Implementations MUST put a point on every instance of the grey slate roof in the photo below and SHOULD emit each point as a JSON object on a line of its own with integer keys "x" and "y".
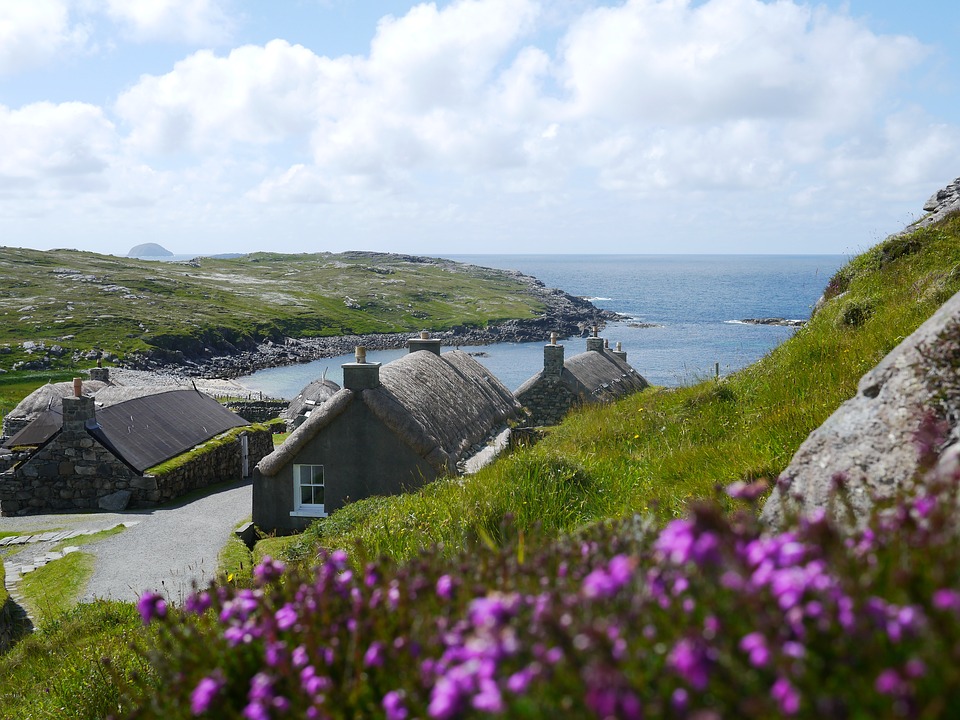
{"x": 43, "y": 427}
{"x": 145, "y": 430}
{"x": 148, "y": 430}
{"x": 440, "y": 405}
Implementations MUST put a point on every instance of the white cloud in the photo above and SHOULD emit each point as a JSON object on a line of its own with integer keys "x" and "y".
{"x": 58, "y": 149}
{"x": 255, "y": 95}
{"x": 459, "y": 111}
{"x": 186, "y": 21}
{"x": 33, "y": 32}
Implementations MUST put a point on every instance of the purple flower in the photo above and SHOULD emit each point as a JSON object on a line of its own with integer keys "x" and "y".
{"x": 520, "y": 681}
{"x": 755, "y": 645}
{"x": 204, "y": 693}
{"x": 946, "y": 599}
{"x": 286, "y": 617}
{"x": 786, "y": 696}
{"x": 444, "y": 699}
{"x": 489, "y": 698}
{"x": 197, "y": 603}
{"x": 268, "y": 569}
{"x": 151, "y": 605}
{"x": 605, "y": 582}
{"x": 444, "y": 587}
{"x": 393, "y": 705}
{"x": 747, "y": 491}
{"x": 373, "y": 657}
{"x": 689, "y": 660}
{"x": 888, "y": 682}
{"x": 300, "y": 657}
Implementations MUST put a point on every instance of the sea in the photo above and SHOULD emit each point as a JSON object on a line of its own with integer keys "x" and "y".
{"x": 683, "y": 314}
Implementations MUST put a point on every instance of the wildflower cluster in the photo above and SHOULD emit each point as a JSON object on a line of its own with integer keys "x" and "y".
{"x": 712, "y": 616}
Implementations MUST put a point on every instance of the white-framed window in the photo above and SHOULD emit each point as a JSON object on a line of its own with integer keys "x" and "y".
{"x": 308, "y": 491}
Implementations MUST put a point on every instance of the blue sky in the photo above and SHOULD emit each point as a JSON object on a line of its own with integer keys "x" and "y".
{"x": 470, "y": 126}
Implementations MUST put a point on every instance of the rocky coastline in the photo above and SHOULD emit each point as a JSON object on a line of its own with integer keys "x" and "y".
{"x": 565, "y": 314}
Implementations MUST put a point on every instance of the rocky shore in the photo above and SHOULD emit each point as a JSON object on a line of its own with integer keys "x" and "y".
{"x": 565, "y": 314}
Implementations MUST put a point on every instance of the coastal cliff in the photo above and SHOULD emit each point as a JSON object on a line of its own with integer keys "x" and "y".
{"x": 905, "y": 416}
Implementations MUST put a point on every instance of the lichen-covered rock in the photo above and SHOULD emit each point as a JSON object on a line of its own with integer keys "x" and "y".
{"x": 871, "y": 446}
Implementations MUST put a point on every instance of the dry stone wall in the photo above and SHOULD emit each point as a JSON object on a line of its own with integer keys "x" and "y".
{"x": 218, "y": 465}
{"x": 257, "y": 410}
{"x": 71, "y": 472}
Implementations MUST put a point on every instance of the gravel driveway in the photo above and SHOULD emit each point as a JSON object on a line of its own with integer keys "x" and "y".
{"x": 168, "y": 549}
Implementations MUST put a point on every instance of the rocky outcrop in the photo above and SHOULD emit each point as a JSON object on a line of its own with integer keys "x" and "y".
{"x": 941, "y": 203}
{"x": 906, "y": 410}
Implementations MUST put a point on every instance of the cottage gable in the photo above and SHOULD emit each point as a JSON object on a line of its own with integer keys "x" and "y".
{"x": 597, "y": 375}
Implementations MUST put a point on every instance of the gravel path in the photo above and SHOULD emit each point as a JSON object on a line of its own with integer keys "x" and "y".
{"x": 168, "y": 550}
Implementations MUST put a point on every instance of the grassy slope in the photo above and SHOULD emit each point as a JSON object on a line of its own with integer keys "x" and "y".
{"x": 657, "y": 450}
{"x": 82, "y": 301}
{"x": 653, "y": 450}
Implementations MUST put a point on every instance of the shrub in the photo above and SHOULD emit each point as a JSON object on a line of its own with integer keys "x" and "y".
{"x": 712, "y": 616}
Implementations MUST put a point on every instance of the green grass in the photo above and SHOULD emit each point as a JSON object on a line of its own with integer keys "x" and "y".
{"x": 53, "y": 589}
{"x": 60, "y": 672}
{"x": 212, "y": 444}
{"x": 133, "y": 306}
{"x": 660, "y": 449}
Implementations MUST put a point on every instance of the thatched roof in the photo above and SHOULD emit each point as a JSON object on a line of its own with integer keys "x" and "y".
{"x": 311, "y": 397}
{"x": 319, "y": 419}
{"x": 603, "y": 374}
{"x": 438, "y": 405}
{"x": 50, "y": 397}
{"x": 595, "y": 374}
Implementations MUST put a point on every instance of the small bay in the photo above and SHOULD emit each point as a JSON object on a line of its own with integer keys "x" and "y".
{"x": 683, "y": 314}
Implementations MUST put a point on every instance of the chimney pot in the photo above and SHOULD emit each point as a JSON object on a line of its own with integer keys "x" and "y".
{"x": 361, "y": 354}
{"x": 553, "y": 338}
{"x": 77, "y": 387}
{"x": 424, "y": 335}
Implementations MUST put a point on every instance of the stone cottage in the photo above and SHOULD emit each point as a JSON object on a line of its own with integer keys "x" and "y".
{"x": 597, "y": 375}
{"x": 390, "y": 429}
{"x": 81, "y": 456}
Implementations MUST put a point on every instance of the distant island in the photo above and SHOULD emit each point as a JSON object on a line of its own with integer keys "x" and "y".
{"x": 148, "y": 250}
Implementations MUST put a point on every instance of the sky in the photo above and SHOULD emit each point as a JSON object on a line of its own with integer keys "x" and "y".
{"x": 474, "y": 126}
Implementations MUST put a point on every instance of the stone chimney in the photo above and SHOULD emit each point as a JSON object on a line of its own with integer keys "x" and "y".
{"x": 424, "y": 342}
{"x": 595, "y": 343}
{"x": 361, "y": 375}
{"x": 77, "y": 410}
{"x": 620, "y": 352}
{"x": 552, "y": 358}
{"x": 100, "y": 373}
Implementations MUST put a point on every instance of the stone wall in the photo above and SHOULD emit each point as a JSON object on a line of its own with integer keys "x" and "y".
{"x": 254, "y": 411}
{"x": 74, "y": 472}
{"x": 221, "y": 464}
{"x": 548, "y": 401}
{"x": 71, "y": 472}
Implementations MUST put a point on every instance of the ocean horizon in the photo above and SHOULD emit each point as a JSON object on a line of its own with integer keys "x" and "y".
{"x": 682, "y": 314}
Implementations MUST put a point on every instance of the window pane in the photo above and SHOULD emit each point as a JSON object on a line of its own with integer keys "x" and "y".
{"x": 306, "y": 495}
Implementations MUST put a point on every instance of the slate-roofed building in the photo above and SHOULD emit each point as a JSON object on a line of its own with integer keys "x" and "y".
{"x": 87, "y": 455}
{"x": 597, "y": 375}
{"x": 391, "y": 428}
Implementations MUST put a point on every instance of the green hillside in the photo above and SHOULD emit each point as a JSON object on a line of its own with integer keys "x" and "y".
{"x": 658, "y": 450}
{"x": 64, "y": 303}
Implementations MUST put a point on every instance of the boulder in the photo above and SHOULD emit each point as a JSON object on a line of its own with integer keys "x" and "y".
{"x": 871, "y": 447}
{"x": 115, "y": 502}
